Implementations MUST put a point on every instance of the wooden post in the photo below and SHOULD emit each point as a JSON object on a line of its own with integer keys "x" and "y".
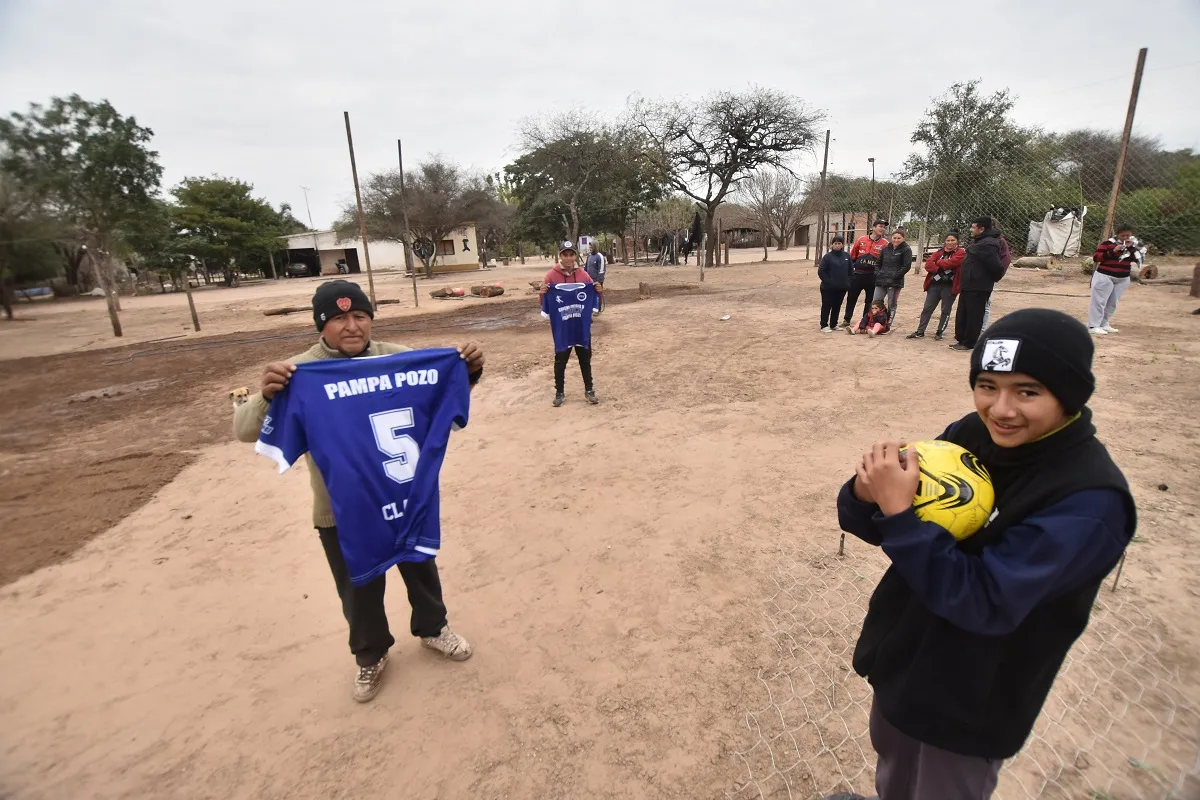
{"x": 408, "y": 262}
{"x": 187, "y": 287}
{"x": 721, "y": 259}
{"x": 824, "y": 205}
{"x": 108, "y": 290}
{"x": 1195, "y": 292}
{"x": 274, "y": 274}
{"x": 1109, "y": 219}
{"x": 362, "y": 223}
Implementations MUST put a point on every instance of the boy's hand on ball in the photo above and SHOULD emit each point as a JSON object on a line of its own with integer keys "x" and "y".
{"x": 890, "y": 477}
{"x": 862, "y": 487}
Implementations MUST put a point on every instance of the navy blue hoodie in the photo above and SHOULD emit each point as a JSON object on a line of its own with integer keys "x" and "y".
{"x": 834, "y": 270}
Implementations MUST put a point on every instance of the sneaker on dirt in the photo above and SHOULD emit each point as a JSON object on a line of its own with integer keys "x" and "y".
{"x": 559, "y": 399}
{"x": 915, "y": 335}
{"x": 369, "y": 679}
{"x": 591, "y": 397}
{"x": 449, "y": 644}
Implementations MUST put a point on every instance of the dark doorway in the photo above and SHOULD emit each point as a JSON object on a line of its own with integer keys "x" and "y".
{"x": 307, "y": 256}
{"x": 352, "y": 259}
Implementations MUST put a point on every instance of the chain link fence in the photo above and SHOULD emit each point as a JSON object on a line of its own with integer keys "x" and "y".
{"x": 1024, "y": 178}
{"x": 1117, "y": 725}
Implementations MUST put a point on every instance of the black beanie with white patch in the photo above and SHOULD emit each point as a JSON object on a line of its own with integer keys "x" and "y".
{"x": 339, "y": 297}
{"x": 1049, "y": 346}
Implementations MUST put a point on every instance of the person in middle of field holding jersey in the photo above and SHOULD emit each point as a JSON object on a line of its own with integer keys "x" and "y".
{"x": 940, "y": 270}
{"x": 865, "y": 257}
{"x": 569, "y": 271}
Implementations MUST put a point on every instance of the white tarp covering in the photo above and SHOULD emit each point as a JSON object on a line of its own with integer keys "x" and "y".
{"x": 1058, "y": 233}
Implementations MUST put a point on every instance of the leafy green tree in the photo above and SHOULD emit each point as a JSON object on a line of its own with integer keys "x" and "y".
{"x": 979, "y": 161}
{"x": 91, "y": 167}
{"x": 27, "y": 236}
{"x": 559, "y": 177}
{"x": 219, "y": 222}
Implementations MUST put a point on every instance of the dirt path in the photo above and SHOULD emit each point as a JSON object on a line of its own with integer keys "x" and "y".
{"x": 612, "y": 565}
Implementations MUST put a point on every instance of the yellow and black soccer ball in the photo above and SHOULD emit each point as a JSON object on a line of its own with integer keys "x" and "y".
{"x": 955, "y": 489}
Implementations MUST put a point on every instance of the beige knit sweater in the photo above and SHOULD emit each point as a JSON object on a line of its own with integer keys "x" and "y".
{"x": 248, "y": 420}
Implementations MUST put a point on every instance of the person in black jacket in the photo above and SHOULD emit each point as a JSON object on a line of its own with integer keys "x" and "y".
{"x": 834, "y": 272}
{"x": 962, "y": 640}
{"x": 895, "y": 261}
{"x": 980, "y": 271}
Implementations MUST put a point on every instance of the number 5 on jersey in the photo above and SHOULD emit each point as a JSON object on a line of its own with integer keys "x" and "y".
{"x": 402, "y": 450}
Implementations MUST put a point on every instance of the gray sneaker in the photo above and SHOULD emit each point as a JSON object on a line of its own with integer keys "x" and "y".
{"x": 369, "y": 679}
{"x": 591, "y": 397}
{"x": 449, "y": 644}
{"x": 559, "y": 399}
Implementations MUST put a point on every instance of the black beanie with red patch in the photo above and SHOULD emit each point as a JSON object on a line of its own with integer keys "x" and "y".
{"x": 336, "y": 298}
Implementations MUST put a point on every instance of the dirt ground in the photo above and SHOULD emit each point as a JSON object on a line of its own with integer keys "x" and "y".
{"x": 168, "y": 626}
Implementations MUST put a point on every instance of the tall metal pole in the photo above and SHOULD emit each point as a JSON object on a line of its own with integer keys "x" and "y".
{"x": 408, "y": 260}
{"x": 875, "y": 205}
{"x": 819, "y": 249}
{"x": 362, "y": 222}
{"x": 1120, "y": 174}
{"x": 313, "y": 228}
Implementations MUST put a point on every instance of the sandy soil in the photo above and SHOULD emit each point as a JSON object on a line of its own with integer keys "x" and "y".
{"x": 47, "y": 327}
{"x": 169, "y": 628}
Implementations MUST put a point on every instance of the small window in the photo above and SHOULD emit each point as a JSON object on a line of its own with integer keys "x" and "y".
{"x": 445, "y": 247}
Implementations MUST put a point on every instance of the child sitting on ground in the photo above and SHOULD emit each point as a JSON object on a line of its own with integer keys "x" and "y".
{"x": 875, "y": 322}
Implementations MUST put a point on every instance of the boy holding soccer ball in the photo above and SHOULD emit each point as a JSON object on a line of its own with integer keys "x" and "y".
{"x": 963, "y": 639}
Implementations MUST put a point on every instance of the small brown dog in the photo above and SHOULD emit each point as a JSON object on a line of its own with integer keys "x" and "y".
{"x": 239, "y": 396}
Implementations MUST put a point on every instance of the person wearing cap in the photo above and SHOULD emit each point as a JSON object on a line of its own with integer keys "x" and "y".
{"x": 962, "y": 640}
{"x": 834, "y": 272}
{"x": 569, "y": 271}
{"x": 343, "y": 317}
{"x": 865, "y": 257}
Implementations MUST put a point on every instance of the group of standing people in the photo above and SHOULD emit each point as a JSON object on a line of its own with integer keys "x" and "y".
{"x": 875, "y": 267}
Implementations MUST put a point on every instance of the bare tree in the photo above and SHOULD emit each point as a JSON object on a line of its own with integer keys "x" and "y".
{"x": 441, "y": 198}
{"x": 777, "y": 200}
{"x": 709, "y": 147}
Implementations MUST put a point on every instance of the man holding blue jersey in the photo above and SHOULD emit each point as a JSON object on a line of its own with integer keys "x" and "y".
{"x": 343, "y": 316}
{"x": 568, "y": 271}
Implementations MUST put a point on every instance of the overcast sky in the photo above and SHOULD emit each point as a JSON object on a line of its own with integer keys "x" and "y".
{"x": 255, "y": 90}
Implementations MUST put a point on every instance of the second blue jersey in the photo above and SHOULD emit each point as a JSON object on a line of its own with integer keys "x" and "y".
{"x": 377, "y": 429}
{"x": 569, "y": 307}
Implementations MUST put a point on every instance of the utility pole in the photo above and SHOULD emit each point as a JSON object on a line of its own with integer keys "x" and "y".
{"x": 362, "y": 222}
{"x": 1109, "y": 219}
{"x": 823, "y": 221}
{"x": 313, "y": 228}
{"x": 408, "y": 259}
{"x": 874, "y": 204}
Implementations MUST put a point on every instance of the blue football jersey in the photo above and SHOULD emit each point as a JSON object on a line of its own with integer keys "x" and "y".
{"x": 377, "y": 429}
{"x": 569, "y": 307}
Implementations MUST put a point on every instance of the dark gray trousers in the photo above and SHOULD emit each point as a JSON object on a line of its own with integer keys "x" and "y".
{"x": 910, "y": 770}
{"x": 940, "y": 292}
{"x": 362, "y": 606}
